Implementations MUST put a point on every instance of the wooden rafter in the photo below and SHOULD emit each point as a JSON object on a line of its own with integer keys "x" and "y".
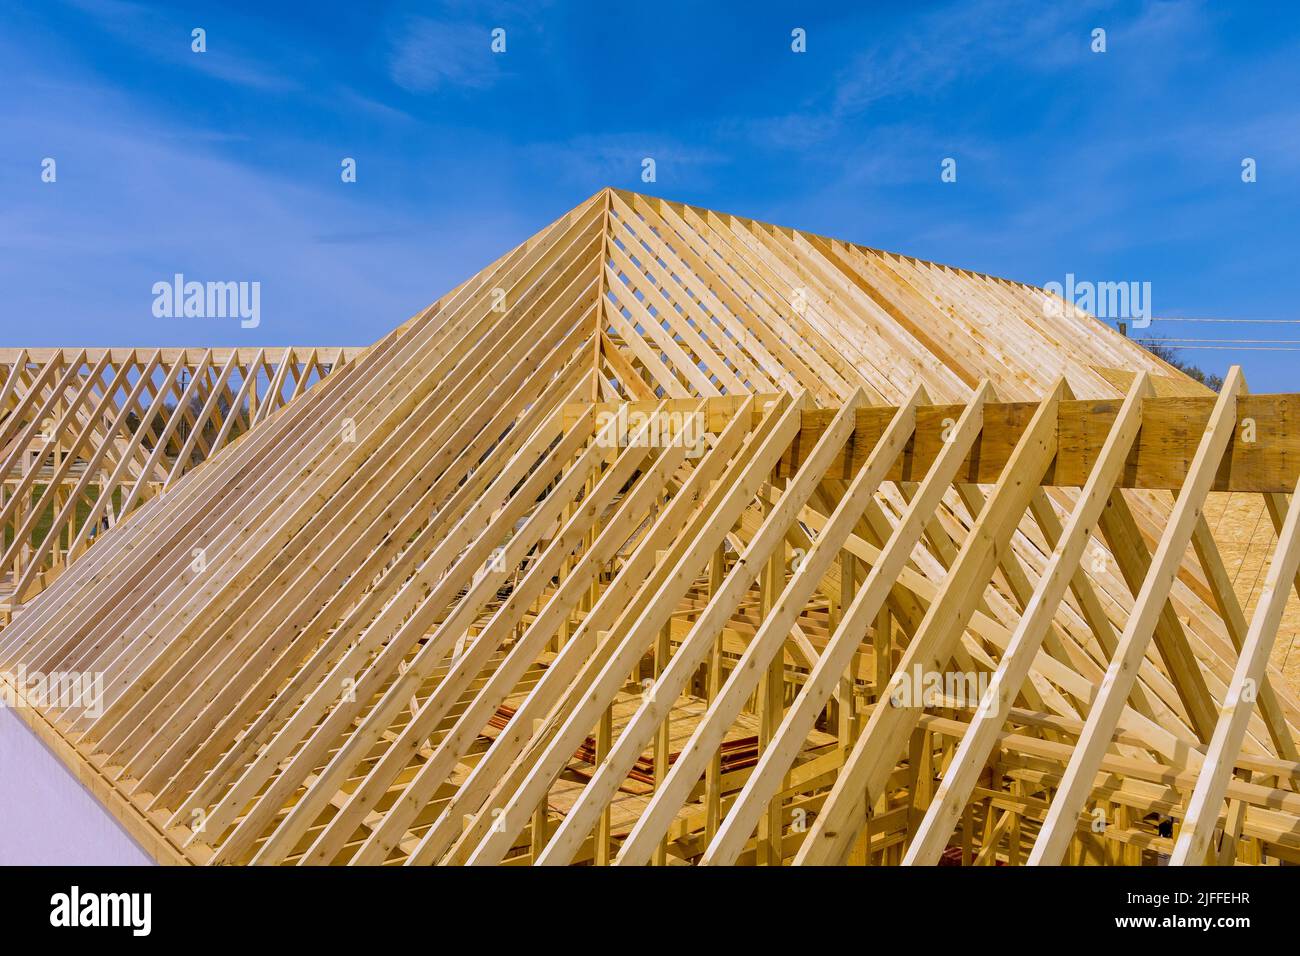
{"x": 634, "y": 547}
{"x": 91, "y": 434}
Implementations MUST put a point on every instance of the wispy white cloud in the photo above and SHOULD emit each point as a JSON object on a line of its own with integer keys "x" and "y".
{"x": 141, "y": 195}
{"x": 939, "y": 50}
{"x": 601, "y": 159}
{"x": 427, "y": 55}
{"x": 961, "y": 40}
{"x": 162, "y": 35}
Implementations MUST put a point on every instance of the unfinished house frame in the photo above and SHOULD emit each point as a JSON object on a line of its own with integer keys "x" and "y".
{"x": 674, "y": 537}
{"x": 87, "y": 435}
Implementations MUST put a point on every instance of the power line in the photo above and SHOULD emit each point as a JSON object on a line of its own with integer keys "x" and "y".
{"x": 1174, "y": 318}
{"x": 1174, "y": 341}
{"x": 1237, "y": 348}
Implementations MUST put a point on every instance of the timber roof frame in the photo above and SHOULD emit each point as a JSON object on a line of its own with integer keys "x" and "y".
{"x": 87, "y": 435}
{"x": 625, "y": 549}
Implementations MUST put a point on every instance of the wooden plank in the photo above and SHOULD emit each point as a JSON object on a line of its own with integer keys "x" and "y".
{"x": 1269, "y": 462}
{"x": 886, "y": 732}
{"x": 1203, "y": 809}
{"x": 1058, "y": 829}
{"x": 968, "y": 762}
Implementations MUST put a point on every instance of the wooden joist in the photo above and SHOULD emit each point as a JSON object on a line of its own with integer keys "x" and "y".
{"x": 1263, "y": 455}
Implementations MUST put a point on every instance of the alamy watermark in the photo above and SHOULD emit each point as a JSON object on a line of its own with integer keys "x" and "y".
{"x": 75, "y": 908}
{"x": 1129, "y": 301}
{"x": 651, "y": 430}
{"x": 922, "y": 688}
{"x": 208, "y": 300}
{"x": 59, "y": 689}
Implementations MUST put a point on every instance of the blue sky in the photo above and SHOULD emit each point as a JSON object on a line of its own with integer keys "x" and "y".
{"x": 224, "y": 165}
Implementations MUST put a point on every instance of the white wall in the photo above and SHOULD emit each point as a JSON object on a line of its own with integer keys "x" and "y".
{"x": 46, "y": 816}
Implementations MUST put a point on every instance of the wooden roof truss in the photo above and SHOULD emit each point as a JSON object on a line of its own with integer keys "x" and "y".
{"x": 626, "y": 551}
{"x": 88, "y": 435}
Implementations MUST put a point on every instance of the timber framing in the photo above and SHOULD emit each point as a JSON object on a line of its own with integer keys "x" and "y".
{"x": 88, "y": 435}
{"x": 1171, "y": 426}
{"x": 673, "y": 537}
